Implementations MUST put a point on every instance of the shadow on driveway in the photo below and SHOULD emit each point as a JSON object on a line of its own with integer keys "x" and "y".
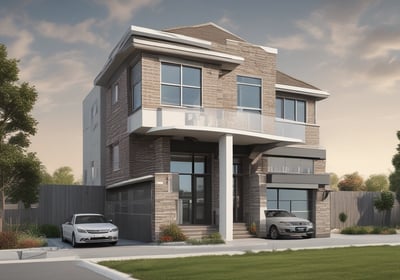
{"x": 56, "y": 242}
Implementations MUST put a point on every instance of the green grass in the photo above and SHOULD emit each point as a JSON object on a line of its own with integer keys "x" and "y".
{"x": 341, "y": 263}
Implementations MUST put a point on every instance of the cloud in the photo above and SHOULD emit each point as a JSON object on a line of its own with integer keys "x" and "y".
{"x": 293, "y": 42}
{"x": 78, "y": 33}
{"x": 123, "y": 10}
{"x": 22, "y": 39}
{"x": 59, "y": 79}
{"x": 228, "y": 23}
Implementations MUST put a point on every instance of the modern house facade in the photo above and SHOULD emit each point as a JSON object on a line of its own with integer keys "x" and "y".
{"x": 198, "y": 127}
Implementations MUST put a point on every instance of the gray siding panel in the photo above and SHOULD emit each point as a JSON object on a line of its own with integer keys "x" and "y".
{"x": 57, "y": 203}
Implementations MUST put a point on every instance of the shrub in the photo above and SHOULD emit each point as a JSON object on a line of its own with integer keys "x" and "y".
{"x": 171, "y": 233}
{"x": 214, "y": 238}
{"x": 342, "y": 217}
{"x": 354, "y": 230}
{"x": 368, "y": 230}
{"x": 50, "y": 231}
{"x": 29, "y": 240}
{"x": 8, "y": 240}
{"x": 252, "y": 228}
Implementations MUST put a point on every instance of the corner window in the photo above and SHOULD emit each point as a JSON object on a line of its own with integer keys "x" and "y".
{"x": 115, "y": 157}
{"x": 249, "y": 93}
{"x": 180, "y": 85}
{"x": 136, "y": 86}
{"x": 114, "y": 93}
{"x": 290, "y": 109}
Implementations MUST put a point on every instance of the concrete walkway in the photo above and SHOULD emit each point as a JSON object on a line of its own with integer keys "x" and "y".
{"x": 125, "y": 249}
{"x": 87, "y": 257}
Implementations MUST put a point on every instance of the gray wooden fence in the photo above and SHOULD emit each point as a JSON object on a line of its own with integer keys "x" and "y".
{"x": 360, "y": 210}
{"x": 57, "y": 203}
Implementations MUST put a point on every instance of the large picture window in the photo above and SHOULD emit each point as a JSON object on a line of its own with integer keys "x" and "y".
{"x": 293, "y": 200}
{"x": 249, "y": 93}
{"x": 290, "y": 109}
{"x": 180, "y": 85}
{"x": 136, "y": 86}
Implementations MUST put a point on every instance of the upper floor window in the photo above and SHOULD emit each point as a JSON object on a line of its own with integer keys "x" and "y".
{"x": 136, "y": 86}
{"x": 114, "y": 93}
{"x": 249, "y": 93}
{"x": 115, "y": 157}
{"x": 180, "y": 85}
{"x": 290, "y": 109}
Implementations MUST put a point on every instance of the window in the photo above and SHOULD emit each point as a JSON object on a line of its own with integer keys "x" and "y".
{"x": 136, "y": 85}
{"x": 293, "y": 200}
{"x": 92, "y": 170}
{"x": 115, "y": 93}
{"x": 290, "y": 109}
{"x": 115, "y": 157}
{"x": 180, "y": 85}
{"x": 249, "y": 93}
{"x": 290, "y": 165}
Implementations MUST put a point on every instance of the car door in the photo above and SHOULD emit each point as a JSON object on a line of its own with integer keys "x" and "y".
{"x": 68, "y": 228}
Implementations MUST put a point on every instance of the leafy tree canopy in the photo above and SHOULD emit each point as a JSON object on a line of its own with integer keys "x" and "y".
{"x": 394, "y": 178}
{"x": 333, "y": 181}
{"x": 377, "y": 183}
{"x": 61, "y": 176}
{"x": 19, "y": 170}
{"x": 352, "y": 182}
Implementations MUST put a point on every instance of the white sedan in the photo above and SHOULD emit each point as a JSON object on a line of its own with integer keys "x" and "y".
{"x": 283, "y": 223}
{"x": 89, "y": 228}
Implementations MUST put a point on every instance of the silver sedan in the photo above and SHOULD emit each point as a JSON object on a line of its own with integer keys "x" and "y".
{"x": 89, "y": 228}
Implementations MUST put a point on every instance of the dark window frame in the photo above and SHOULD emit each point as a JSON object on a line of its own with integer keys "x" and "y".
{"x": 181, "y": 85}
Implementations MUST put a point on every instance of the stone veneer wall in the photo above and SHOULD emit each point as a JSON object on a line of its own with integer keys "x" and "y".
{"x": 165, "y": 201}
{"x": 323, "y": 217}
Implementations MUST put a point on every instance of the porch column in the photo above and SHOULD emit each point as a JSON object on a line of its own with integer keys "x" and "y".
{"x": 226, "y": 187}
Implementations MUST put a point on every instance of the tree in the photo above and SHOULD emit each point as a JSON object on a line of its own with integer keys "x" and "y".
{"x": 351, "y": 182}
{"x": 63, "y": 176}
{"x": 19, "y": 170}
{"x": 377, "y": 183}
{"x": 394, "y": 178}
{"x": 385, "y": 204}
{"x": 333, "y": 181}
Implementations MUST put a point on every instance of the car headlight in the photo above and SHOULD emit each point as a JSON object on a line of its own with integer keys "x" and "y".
{"x": 113, "y": 229}
{"x": 81, "y": 230}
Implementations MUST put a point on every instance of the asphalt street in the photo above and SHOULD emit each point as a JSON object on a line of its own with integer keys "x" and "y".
{"x": 61, "y": 261}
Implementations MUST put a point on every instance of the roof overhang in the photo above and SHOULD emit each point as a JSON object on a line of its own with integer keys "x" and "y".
{"x": 146, "y": 39}
{"x": 319, "y": 94}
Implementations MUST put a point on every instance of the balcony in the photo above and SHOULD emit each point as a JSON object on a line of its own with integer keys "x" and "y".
{"x": 195, "y": 121}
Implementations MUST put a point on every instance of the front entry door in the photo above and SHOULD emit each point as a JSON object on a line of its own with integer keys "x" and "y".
{"x": 195, "y": 209}
{"x": 237, "y": 199}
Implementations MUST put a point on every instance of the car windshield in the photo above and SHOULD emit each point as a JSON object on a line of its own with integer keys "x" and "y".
{"x": 90, "y": 219}
{"x": 280, "y": 214}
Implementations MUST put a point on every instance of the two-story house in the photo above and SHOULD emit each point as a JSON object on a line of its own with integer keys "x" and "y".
{"x": 198, "y": 127}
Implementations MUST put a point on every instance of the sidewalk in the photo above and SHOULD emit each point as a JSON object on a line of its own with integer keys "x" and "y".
{"x": 135, "y": 250}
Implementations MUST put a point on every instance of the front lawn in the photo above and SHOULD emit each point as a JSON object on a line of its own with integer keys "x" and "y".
{"x": 340, "y": 263}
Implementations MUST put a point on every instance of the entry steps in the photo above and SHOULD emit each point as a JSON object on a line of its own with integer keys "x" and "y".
{"x": 199, "y": 231}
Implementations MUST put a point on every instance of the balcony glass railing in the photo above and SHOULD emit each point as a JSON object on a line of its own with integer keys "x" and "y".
{"x": 216, "y": 118}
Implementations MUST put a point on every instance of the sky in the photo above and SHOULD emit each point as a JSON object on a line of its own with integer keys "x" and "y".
{"x": 348, "y": 48}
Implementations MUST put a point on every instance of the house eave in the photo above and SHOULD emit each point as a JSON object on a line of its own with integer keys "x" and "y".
{"x": 319, "y": 94}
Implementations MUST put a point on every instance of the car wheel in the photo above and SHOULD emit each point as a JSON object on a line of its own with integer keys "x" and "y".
{"x": 273, "y": 232}
{"x": 73, "y": 242}
{"x": 62, "y": 236}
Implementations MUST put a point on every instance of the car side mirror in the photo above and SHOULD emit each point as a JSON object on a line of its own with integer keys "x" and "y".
{"x": 110, "y": 221}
